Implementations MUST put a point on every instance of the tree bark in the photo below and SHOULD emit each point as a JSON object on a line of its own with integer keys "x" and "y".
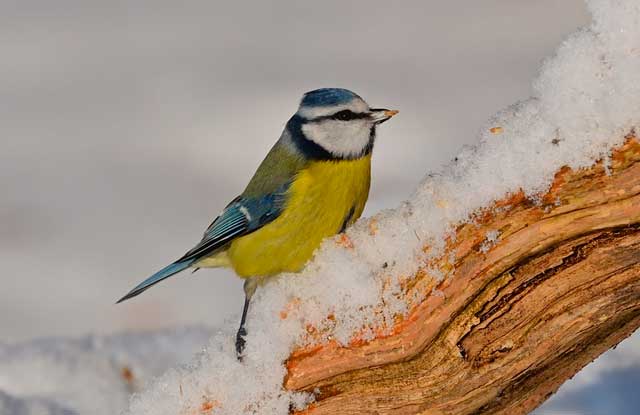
{"x": 514, "y": 319}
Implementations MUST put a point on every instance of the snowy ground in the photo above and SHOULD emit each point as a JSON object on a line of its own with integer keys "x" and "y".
{"x": 90, "y": 375}
{"x": 104, "y": 171}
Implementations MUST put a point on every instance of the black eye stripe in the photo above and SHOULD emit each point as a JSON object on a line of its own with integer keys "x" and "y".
{"x": 344, "y": 115}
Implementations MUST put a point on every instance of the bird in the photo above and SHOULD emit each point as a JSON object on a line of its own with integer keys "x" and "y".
{"x": 313, "y": 184}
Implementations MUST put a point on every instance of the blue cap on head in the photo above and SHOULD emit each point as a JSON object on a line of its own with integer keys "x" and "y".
{"x": 325, "y": 97}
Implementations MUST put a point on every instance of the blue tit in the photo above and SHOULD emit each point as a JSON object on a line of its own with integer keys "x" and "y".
{"x": 313, "y": 183}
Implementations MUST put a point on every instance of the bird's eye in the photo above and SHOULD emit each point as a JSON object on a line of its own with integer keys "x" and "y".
{"x": 344, "y": 115}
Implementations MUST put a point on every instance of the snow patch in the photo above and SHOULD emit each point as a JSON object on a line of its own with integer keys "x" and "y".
{"x": 91, "y": 375}
{"x": 491, "y": 238}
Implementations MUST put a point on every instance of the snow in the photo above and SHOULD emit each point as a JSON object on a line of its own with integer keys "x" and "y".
{"x": 90, "y": 375}
{"x": 491, "y": 238}
{"x": 585, "y": 100}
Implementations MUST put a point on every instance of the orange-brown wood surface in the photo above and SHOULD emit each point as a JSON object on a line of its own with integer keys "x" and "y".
{"x": 512, "y": 321}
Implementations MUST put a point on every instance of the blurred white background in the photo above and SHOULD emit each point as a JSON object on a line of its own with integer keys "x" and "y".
{"x": 126, "y": 127}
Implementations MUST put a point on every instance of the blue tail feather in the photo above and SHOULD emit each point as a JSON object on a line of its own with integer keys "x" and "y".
{"x": 164, "y": 273}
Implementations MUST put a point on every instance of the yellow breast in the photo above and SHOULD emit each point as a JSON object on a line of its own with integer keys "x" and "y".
{"x": 319, "y": 200}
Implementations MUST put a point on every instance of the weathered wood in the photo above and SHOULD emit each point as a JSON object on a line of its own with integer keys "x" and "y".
{"x": 513, "y": 321}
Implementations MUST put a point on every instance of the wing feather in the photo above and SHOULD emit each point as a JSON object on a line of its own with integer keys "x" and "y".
{"x": 242, "y": 216}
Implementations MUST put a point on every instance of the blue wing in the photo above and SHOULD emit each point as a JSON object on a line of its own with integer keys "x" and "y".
{"x": 242, "y": 216}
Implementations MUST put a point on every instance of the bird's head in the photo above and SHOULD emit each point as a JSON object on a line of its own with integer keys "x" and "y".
{"x": 336, "y": 123}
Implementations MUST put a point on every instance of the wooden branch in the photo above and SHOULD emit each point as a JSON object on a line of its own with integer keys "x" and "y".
{"x": 514, "y": 320}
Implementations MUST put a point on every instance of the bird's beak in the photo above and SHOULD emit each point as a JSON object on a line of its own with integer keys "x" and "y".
{"x": 380, "y": 115}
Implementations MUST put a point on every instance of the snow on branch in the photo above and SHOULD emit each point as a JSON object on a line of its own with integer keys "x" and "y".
{"x": 365, "y": 287}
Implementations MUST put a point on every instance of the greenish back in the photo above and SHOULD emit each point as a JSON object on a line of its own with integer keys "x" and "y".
{"x": 279, "y": 167}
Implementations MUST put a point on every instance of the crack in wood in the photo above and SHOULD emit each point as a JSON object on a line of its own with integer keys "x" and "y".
{"x": 579, "y": 253}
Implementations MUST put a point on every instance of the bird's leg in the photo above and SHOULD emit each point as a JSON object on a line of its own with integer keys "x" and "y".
{"x": 250, "y": 285}
{"x": 242, "y": 331}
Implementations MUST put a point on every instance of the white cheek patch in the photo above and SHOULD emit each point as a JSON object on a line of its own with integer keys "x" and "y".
{"x": 340, "y": 138}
